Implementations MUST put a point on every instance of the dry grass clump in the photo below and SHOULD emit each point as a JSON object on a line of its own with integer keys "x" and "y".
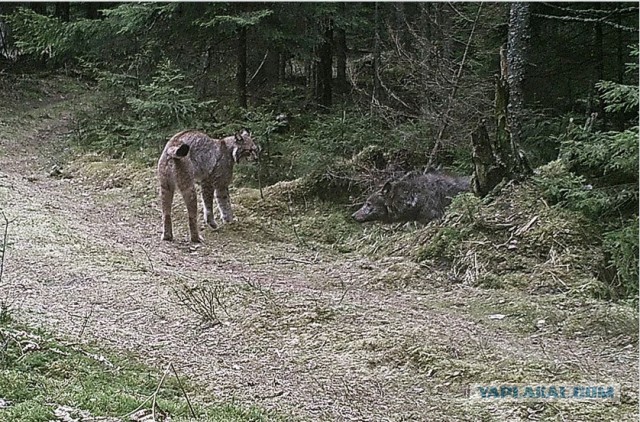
{"x": 344, "y": 178}
{"x": 290, "y": 211}
{"x": 109, "y": 173}
{"x": 514, "y": 239}
{"x": 206, "y": 300}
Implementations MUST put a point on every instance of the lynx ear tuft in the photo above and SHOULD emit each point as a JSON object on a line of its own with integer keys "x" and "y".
{"x": 182, "y": 151}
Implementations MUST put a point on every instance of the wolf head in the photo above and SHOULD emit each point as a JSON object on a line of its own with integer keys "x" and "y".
{"x": 244, "y": 147}
{"x": 374, "y": 208}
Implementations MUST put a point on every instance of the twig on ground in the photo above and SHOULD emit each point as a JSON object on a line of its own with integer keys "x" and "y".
{"x": 345, "y": 290}
{"x": 286, "y": 258}
{"x": 152, "y": 397}
{"x": 85, "y": 322}
{"x": 4, "y": 243}
{"x": 293, "y": 226}
{"x": 148, "y": 258}
{"x": 255, "y": 285}
{"x": 193, "y": 413}
{"x": 155, "y": 394}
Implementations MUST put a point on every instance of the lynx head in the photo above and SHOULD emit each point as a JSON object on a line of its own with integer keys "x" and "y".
{"x": 244, "y": 147}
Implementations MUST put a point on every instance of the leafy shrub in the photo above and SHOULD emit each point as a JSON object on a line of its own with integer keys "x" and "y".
{"x": 541, "y": 142}
{"x": 597, "y": 174}
{"x": 141, "y": 117}
{"x": 38, "y": 36}
{"x": 620, "y": 97}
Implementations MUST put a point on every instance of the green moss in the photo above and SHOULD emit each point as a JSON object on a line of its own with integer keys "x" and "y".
{"x": 37, "y": 374}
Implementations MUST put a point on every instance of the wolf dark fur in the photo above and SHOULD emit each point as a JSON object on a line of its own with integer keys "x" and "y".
{"x": 420, "y": 198}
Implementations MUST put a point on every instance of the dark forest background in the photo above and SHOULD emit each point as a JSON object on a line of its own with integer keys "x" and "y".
{"x": 317, "y": 83}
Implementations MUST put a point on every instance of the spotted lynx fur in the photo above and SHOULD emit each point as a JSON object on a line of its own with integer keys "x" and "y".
{"x": 192, "y": 157}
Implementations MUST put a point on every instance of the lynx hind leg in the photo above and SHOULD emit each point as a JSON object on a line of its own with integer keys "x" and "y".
{"x": 191, "y": 200}
{"x": 207, "y": 204}
{"x": 224, "y": 204}
{"x": 166, "y": 199}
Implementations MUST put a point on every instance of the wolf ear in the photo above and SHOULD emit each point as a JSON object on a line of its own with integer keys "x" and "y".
{"x": 386, "y": 188}
{"x": 239, "y": 138}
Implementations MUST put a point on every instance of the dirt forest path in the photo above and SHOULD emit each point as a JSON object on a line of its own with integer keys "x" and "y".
{"x": 304, "y": 333}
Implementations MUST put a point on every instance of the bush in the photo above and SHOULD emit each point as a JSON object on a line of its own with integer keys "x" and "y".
{"x": 621, "y": 247}
{"x": 142, "y": 117}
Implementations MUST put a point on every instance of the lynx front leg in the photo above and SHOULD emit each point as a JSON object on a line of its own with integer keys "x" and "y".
{"x": 190, "y": 199}
{"x": 207, "y": 204}
{"x": 224, "y": 204}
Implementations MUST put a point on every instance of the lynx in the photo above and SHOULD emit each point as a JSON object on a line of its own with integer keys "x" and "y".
{"x": 193, "y": 157}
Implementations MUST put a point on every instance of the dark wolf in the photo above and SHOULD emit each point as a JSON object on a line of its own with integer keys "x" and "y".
{"x": 421, "y": 198}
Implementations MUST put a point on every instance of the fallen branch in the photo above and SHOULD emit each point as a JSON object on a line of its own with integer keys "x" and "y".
{"x": 135, "y": 413}
{"x": 193, "y": 413}
{"x": 299, "y": 261}
{"x": 4, "y": 244}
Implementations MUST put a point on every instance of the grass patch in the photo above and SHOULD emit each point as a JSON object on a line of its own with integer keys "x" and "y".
{"x": 558, "y": 313}
{"x": 40, "y": 376}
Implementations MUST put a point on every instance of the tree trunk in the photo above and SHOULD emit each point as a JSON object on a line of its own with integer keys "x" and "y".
{"x": 91, "y": 10}
{"x": 282, "y": 66}
{"x": 501, "y": 103}
{"x": 206, "y": 66}
{"x": 424, "y": 21}
{"x": 62, "y": 11}
{"x": 38, "y": 7}
{"x": 517, "y": 43}
{"x": 325, "y": 65}
{"x": 376, "y": 57}
{"x": 341, "y": 55}
{"x": 491, "y": 158}
{"x": 241, "y": 69}
{"x": 401, "y": 24}
{"x": 500, "y": 159}
{"x": 488, "y": 169}
{"x": 598, "y": 52}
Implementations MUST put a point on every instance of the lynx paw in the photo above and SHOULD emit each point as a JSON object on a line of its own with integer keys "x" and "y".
{"x": 167, "y": 236}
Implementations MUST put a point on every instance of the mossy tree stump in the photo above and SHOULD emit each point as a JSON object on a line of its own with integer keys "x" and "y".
{"x": 500, "y": 158}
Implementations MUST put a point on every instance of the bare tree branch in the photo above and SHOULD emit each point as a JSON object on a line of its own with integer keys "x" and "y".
{"x": 456, "y": 85}
{"x": 593, "y": 11}
{"x": 259, "y": 67}
{"x": 586, "y": 20}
